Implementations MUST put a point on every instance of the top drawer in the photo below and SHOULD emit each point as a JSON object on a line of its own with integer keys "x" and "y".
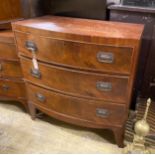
{"x": 78, "y": 55}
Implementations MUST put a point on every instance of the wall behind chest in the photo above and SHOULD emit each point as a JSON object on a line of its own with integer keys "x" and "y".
{"x": 114, "y": 1}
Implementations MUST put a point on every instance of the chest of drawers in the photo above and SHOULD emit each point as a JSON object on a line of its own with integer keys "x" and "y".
{"x": 79, "y": 71}
{"x": 12, "y": 86}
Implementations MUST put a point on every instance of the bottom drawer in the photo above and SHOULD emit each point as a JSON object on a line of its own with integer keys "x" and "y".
{"x": 90, "y": 110}
{"x": 12, "y": 88}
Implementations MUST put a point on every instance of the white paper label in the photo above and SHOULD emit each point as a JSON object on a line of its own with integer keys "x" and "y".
{"x": 35, "y": 64}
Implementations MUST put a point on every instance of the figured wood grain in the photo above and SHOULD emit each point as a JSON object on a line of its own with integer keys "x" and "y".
{"x": 77, "y": 55}
{"x": 10, "y": 10}
{"x": 76, "y": 107}
{"x": 8, "y": 51}
{"x": 66, "y": 54}
{"x": 7, "y": 36}
{"x": 12, "y": 89}
{"x": 84, "y": 30}
{"x": 11, "y": 69}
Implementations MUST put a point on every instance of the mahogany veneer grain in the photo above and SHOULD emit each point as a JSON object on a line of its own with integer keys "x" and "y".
{"x": 12, "y": 86}
{"x": 75, "y": 83}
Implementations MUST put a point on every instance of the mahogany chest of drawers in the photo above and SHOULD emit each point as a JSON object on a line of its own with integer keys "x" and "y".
{"x": 79, "y": 71}
{"x": 12, "y": 86}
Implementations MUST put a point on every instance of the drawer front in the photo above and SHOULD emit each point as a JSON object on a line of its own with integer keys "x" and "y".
{"x": 78, "y": 55}
{"x": 11, "y": 69}
{"x": 8, "y": 51}
{"x": 15, "y": 89}
{"x": 82, "y": 84}
{"x": 95, "y": 111}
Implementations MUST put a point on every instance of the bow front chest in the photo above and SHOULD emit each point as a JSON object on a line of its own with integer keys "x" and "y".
{"x": 79, "y": 71}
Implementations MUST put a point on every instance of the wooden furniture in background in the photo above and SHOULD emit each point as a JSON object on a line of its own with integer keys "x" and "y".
{"x": 79, "y": 71}
{"x": 12, "y": 86}
{"x": 10, "y": 10}
{"x": 145, "y": 83}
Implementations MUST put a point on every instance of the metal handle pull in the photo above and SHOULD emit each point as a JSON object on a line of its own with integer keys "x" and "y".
{"x": 31, "y": 46}
{"x": 102, "y": 112}
{"x": 5, "y": 87}
{"x": 104, "y": 86}
{"x": 105, "y": 57}
{"x": 40, "y": 97}
{"x": 36, "y": 73}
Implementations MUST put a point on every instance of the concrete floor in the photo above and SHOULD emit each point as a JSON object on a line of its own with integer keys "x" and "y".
{"x": 20, "y": 134}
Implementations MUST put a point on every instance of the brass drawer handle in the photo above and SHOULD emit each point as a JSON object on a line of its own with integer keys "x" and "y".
{"x": 31, "y": 46}
{"x": 105, "y": 57}
{"x": 5, "y": 87}
{"x": 40, "y": 97}
{"x": 104, "y": 86}
{"x": 102, "y": 112}
{"x": 35, "y": 73}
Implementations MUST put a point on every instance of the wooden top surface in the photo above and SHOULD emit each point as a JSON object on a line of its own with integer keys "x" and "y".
{"x": 81, "y": 27}
{"x": 7, "y": 36}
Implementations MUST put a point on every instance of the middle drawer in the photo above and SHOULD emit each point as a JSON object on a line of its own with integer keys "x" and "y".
{"x": 77, "y": 83}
